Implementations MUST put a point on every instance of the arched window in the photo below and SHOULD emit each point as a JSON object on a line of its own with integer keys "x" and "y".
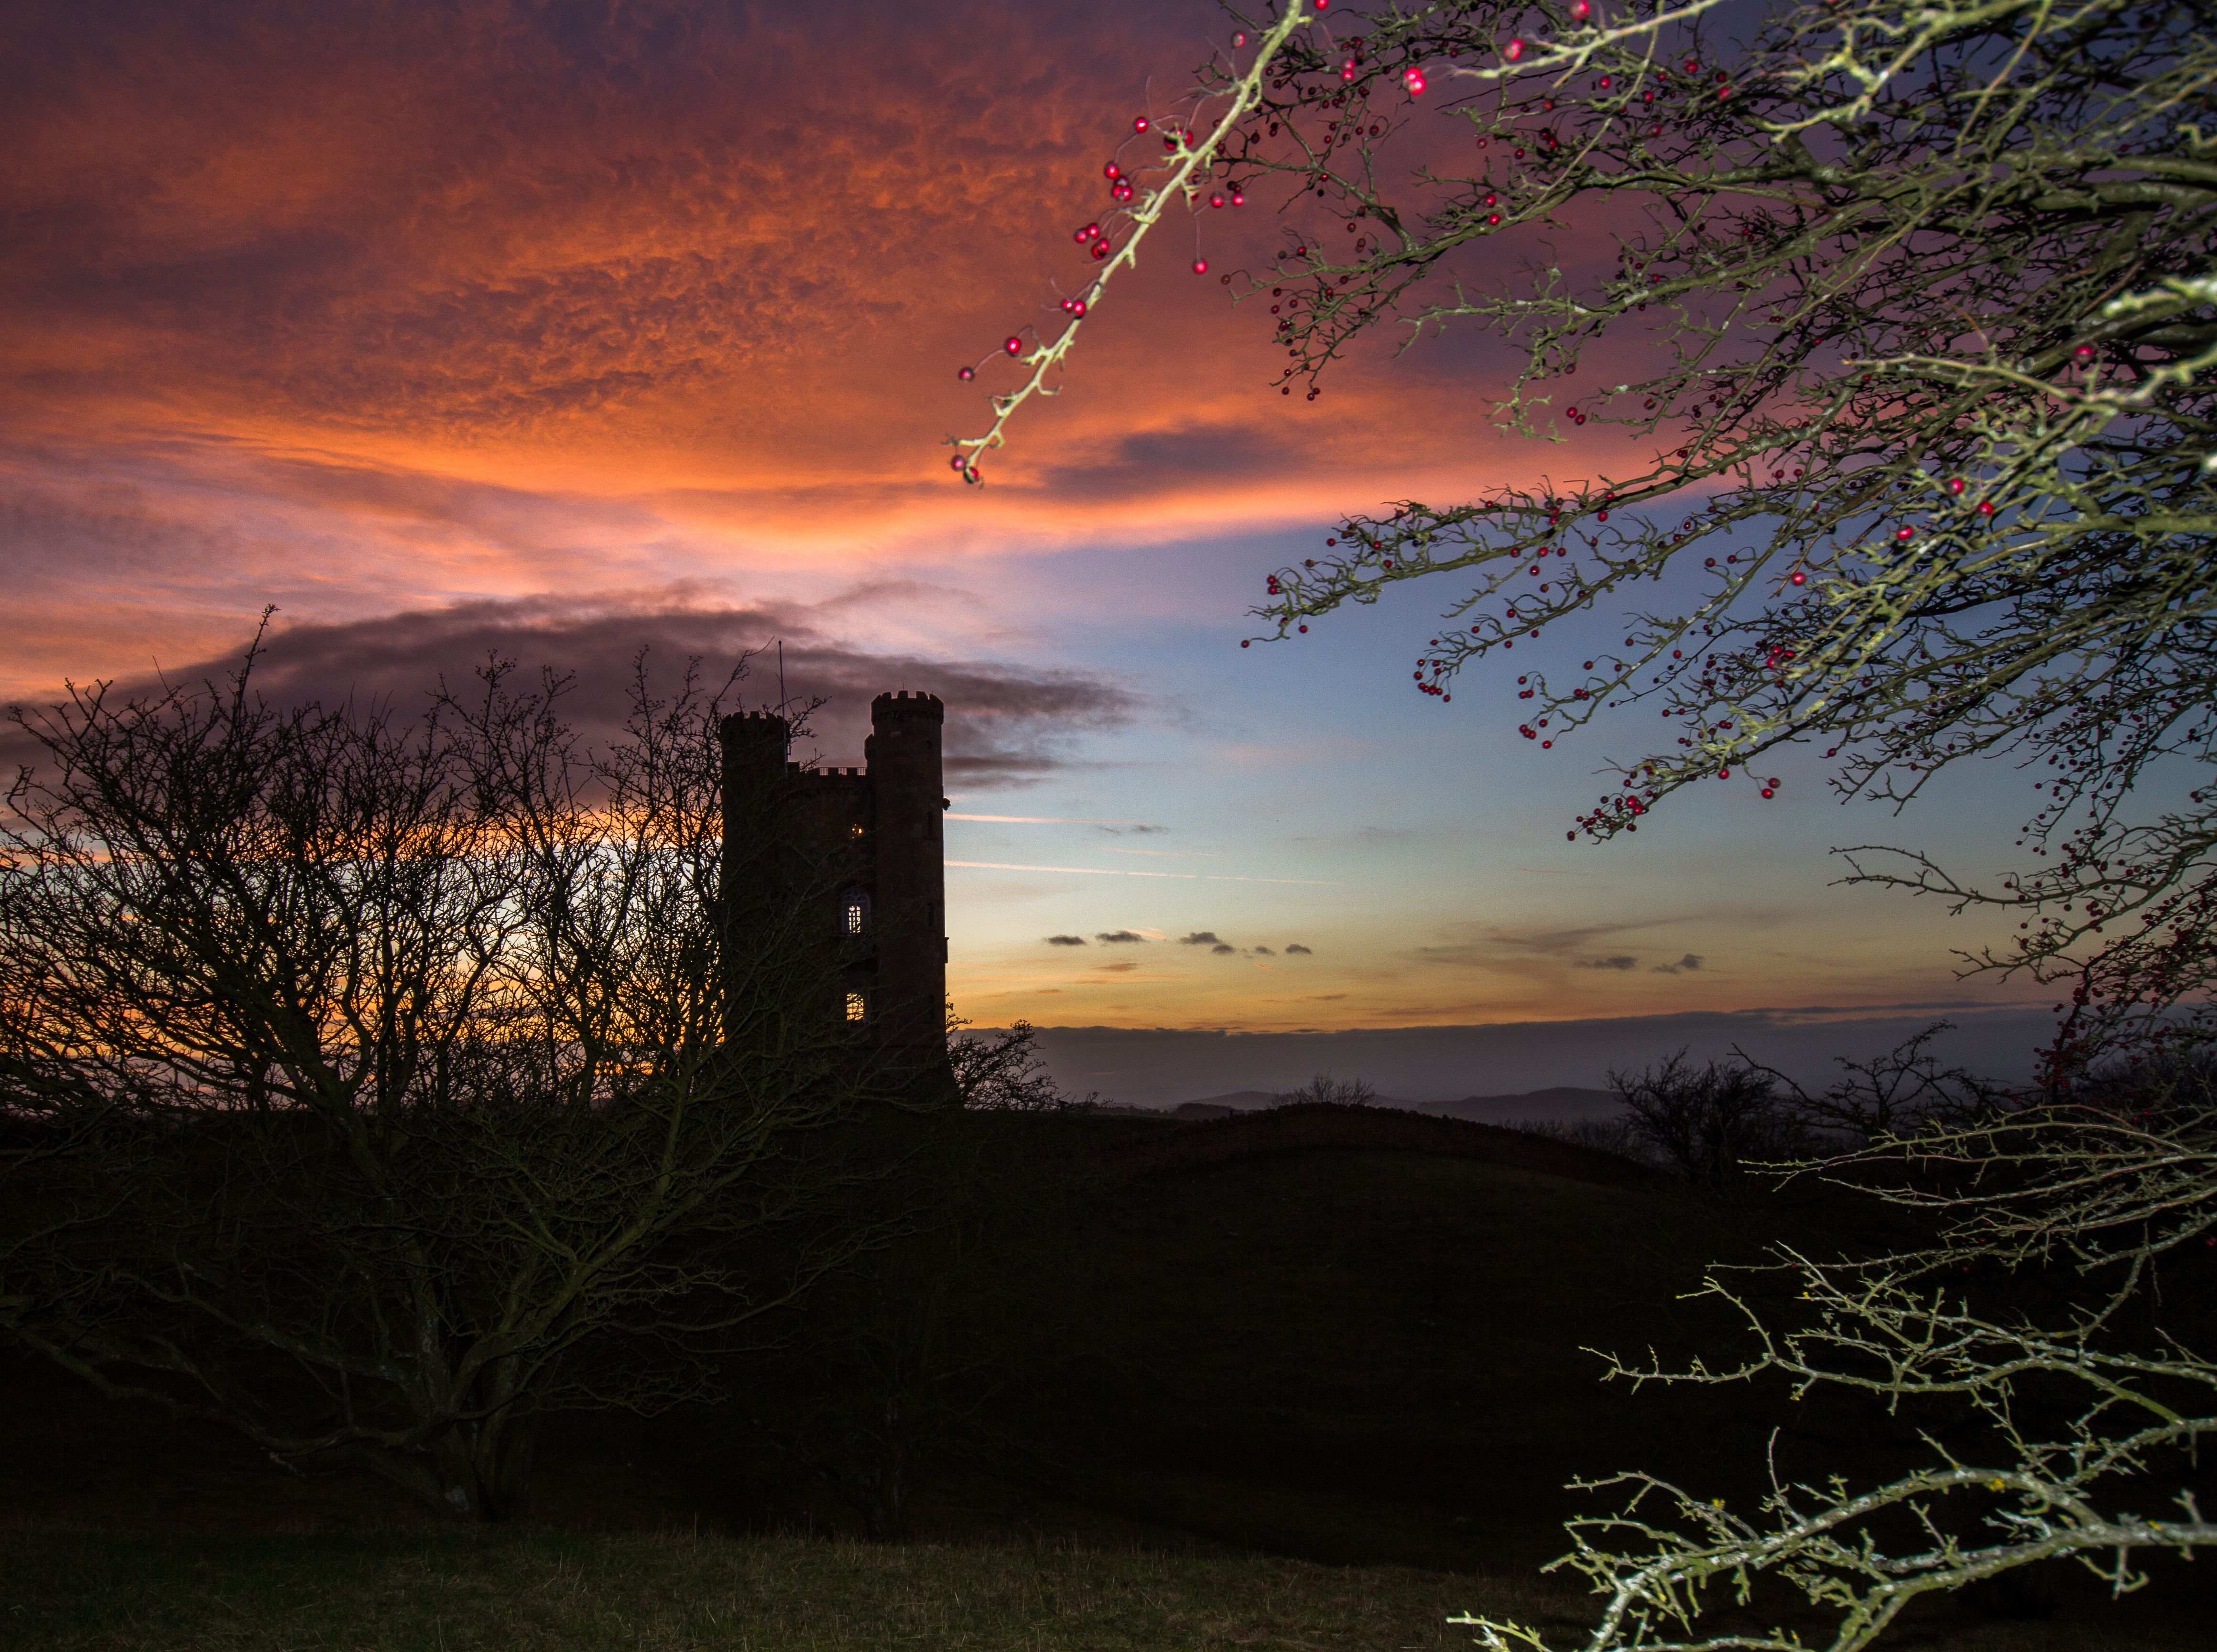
{"x": 854, "y": 910}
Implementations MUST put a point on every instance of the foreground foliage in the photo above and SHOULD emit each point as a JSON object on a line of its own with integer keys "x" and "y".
{"x": 1917, "y": 311}
{"x": 1921, "y": 444}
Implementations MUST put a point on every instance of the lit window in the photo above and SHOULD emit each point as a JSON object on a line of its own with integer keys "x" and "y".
{"x": 857, "y": 907}
{"x": 858, "y": 1007}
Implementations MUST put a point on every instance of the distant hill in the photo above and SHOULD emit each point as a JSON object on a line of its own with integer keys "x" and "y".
{"x": 1565, "y": 1102}
{"x": 1221, "y": 1107}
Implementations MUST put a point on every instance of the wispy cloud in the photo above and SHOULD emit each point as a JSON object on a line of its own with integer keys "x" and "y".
{"x": 1045, "y": 820}
{"x": 1131, "y": 872}
{"x": 1620, "y": 961}
{"x": 1691, "y": 961}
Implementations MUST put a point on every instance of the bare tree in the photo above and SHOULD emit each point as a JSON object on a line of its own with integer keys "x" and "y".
{"x": 1891, "y": 1096}
{"x": 1004, "y": 1072}
{"x": 1708, "y": 1123}
{"x": 1930, "y": 299}
{"x": 407, "y": 1076}
{"x": 2110, "y": 1184}
{"x": 1930, "y": 309}
{"x": 1325, "y": 1091}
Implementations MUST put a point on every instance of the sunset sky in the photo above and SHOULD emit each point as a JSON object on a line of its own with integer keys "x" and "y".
{"x": 559, "y": 329}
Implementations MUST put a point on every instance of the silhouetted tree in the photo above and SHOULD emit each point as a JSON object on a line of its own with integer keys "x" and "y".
{"x": 1324, "y": 1090}
{"x": 392, "y": 1061}
{"x": 1004, "y": 1072}
{"x": 1891, "y": 1096}
{"x": 1706, "y": 1123}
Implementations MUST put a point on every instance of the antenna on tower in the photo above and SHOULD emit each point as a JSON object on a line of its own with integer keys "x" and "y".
{"x": 782, "y": 702}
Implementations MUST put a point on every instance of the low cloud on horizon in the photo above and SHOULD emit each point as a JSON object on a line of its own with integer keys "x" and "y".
{"x": 1005, "y": 724}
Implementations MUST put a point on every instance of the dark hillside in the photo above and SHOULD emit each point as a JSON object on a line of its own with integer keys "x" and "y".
{"x": 1342, "y": 1335}
{"x": 1320, "y": 1128}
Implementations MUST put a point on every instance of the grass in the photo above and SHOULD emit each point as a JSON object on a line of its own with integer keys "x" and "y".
{"x": 523, "y": 1589}
{"x": 535, "y": 1588}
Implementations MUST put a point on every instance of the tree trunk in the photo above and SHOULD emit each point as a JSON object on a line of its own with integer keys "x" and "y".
{"x": 484, "y": 1466}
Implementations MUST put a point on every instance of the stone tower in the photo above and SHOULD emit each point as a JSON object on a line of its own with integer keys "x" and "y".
{"x": 854, "y": 862}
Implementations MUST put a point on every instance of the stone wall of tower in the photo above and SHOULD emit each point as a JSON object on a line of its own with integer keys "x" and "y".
{"x": 850, "y": 864}
{"x": 909, "y": 861}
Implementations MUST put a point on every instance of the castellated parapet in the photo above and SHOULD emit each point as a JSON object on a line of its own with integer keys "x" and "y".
{"x": 855, "y": 859}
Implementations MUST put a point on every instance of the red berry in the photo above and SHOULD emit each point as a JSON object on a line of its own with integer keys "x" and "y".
{"x": 1581, "y": 11}
{"x": 1800, "y": 578}
{"x": 1112, "y": 171}
{"x": 1905, "y": 534}
{"x": 1012, "y": 344}
{"x": 1100, "y": 249}
{"x": 1243, "y": 642}
{"x": 1139, "y": 123}
{"x": 955, "y": 462}
{"x": 1201, "y": 266}
{"x": 1216, "y": 201}
{"x": 1238, "y": 200}
{"x": 1414, "y": 80}
{"x": 1955, "y": 484}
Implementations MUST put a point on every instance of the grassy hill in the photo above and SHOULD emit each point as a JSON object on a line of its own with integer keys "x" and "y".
{"x": 1333, "y": 1336}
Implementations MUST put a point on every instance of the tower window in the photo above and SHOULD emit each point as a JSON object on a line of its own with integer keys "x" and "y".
{"x": 858, "y": 1008}
{"x": 855, "y": 911}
